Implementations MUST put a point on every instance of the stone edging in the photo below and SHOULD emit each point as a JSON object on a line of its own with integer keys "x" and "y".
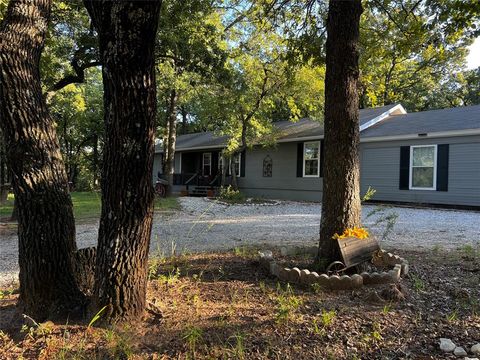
{"x": 335, "y": 282}
{"x": 385, "y": 259}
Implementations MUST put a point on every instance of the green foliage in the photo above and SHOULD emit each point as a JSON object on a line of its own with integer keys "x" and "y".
{"x": 418, "y": 283}
{"x": 78, "y": 111}
{"x": 411, "y": 48}
{"x": 320, "y": 325}
{"x": 230, "y": 195}
{"x": 96, "y": 317}
{"x": 369, "y": 194}
{"x": 287, "y": 304}
{"x": 193, "y": 336}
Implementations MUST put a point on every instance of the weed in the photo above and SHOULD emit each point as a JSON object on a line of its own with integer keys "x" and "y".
{"x": 418, "y": 283}
{"x": 193, "y": 335}
{"x": 118, "y": 344}
{"x": 387, "y": 308}
{"x": 469, "y": 251}
{"x": 453, "y": 316}
{"x": 369, "y": 194}
{"x": 287, "y": 304}
{"x": 171, "y": 277}
{"x": 437, "y": 248}
{"x": 244, "y": 251}
{"x": 321, "y": 324}
{"x": 328, "y": 317}
{"x": 239, "y": 347}
{"x": 375, "y": 335}
{"x": 96, "y": 317}
{"x": 317, "y": 288}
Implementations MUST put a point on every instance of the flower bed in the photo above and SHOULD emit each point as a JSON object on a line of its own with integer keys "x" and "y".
{"x": 395, "y": 266}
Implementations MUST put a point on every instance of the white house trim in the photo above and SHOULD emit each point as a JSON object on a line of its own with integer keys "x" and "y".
{"x": 396, "y": 110}
{"x": 318, "y": 159}
{"x": 435, "y": 156}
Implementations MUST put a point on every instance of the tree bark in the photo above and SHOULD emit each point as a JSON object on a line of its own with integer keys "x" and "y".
{"x": 184, "y": 120}
{"x": 3, "y": 172}
{"x": 46, "y": 227}
{"x": 95, "y": 162}
{"x": 341, "y": 206}
{"x": 127, "y": 31}
{"x": 171, "y": 139}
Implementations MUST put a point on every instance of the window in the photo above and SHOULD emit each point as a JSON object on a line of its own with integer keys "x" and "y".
{"x": 267, "y": 166}
{"x": 423, "y": 167}
{"x": 236, "y": 162}
{"x": 311, "y": 159}
{"x": 207, "y": 164}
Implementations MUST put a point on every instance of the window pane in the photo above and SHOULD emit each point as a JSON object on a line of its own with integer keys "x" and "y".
{"x": 422, "y": 177}
{"x": 311, "y": 167}
{"x": 311, "y": 151}
{"x": 423, "y": 156}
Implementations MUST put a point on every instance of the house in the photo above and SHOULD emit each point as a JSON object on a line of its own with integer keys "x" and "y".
{"x": 430, "y": 157}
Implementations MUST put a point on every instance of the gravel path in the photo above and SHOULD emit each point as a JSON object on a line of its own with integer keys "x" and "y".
{"x": 205, "y": 225}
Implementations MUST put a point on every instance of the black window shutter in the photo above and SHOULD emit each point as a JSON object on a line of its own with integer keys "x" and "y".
{"x": 242, "y": 164}
{"x": 300, "y": 159}
{"x": 404, "y": 167}
{"x": 321, "y": 158}
{"x": 442, "y": 167}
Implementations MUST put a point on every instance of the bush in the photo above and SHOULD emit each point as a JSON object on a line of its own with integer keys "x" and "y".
{"x": 230, "y": 195}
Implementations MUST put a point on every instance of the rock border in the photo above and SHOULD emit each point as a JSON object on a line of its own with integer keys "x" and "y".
{"x": 334, "y": 282}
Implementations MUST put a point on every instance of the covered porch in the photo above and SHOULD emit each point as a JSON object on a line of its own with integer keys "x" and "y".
{"x": 201, "y": 172}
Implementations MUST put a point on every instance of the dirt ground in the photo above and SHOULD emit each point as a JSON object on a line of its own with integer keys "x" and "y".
{"x": 224, "y": 306}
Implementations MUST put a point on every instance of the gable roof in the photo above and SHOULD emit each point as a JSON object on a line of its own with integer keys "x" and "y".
{"x": 386, "y": 121}
{"x": 427, "y": 122}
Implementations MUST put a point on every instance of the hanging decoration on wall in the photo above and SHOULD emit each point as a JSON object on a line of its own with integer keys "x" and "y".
{"x": 267, "y": 166}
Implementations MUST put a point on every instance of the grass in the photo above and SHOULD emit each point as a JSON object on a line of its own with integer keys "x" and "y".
{"x": 87, "y": 205}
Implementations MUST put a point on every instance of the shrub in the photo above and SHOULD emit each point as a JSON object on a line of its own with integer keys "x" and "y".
{"x": 230, "y": 195}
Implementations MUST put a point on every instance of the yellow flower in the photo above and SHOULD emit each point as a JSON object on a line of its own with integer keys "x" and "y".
{"x": 359, "y": 233}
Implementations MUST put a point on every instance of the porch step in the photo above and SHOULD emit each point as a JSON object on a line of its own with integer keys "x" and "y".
{"x": 200, "y": 191}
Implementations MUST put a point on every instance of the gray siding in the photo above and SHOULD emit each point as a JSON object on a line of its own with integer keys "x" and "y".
{"x": 380, "y": 169}
{"x": 284, "y": 183}
{"x": 157, "y": 165}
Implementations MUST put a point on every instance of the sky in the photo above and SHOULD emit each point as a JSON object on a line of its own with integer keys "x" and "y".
{"x": 473, "y": 59}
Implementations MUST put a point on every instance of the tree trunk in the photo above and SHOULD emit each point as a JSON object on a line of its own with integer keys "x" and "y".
{"x": 171, "y": 139}
{"x": 184, "y": 120}
{"x": 341, "y": 207}
{"x": 126, "y": 32}
{"x": 3, "y": 172}
{"x": 46, "y": 227}
{"x": 233, "y": 172}
{"x": 224, "y": 170}
{"x": 95, "y": 162}
{"x": 14, "y": 216}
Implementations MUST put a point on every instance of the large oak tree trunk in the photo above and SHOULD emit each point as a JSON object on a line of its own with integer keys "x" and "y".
{"x": 127, "y": 32}
{"x": 3, "y": 171}
{"x": 46, "y": 227}
{"x": 341, "y": 207}
{"x": 171, "y": 139}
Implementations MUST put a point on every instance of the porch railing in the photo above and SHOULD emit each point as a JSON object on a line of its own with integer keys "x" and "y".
{"x": 195, "y": 179}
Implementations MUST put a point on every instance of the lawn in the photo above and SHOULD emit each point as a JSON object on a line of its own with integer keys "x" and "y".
{"x": 86, "y": 206}
{"x": 224, "y": 306}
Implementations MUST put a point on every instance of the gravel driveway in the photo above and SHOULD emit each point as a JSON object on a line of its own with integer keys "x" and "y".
{"x": 205, "y": 225}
